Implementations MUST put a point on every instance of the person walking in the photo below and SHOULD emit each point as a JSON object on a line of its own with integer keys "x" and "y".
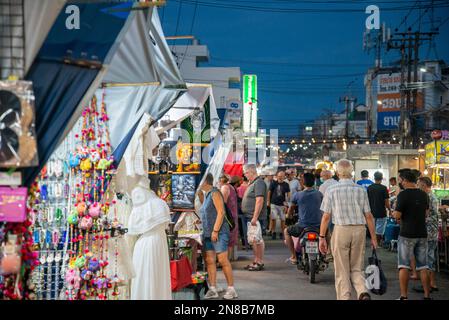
{"x": 326, "y": 178}
{"x": 411, "y": 209}
{"x": 216, "y": 233}
{"x": 277, "y": 200}
{"x": 365, "y": 181}
{"x": 230, "y": 198}
{"x": 425, "y": 184}
{"x": 348, "y": 206}
{"x": 394, "y": 188}
{"x": 308, "y": 203}
{"x": 295, "y": 187}
{"x": 379, "y": 202}
{"x": 236, "y": 182}
{"x": 254, "y": 207}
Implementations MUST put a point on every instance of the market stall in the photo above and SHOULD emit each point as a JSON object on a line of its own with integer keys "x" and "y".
{"x": 78, "y": 218}
{"x": 437, "y": 168}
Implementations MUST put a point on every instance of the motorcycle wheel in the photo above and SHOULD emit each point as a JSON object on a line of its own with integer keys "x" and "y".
{"x": 312, "y": 271}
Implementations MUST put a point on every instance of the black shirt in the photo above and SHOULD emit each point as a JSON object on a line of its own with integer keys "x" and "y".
{"x": 377, "y": 194}
{"x": 278, "y": 192}
{"x": 412, "y": 204}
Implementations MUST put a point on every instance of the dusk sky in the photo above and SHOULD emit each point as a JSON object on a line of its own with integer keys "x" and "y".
{"x": 304, "y": 61}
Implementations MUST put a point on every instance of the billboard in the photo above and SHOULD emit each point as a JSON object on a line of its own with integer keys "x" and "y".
{"x": 389, "y": 101}
{"x": 250, "y": 103}
{"x": 388, "y": 120}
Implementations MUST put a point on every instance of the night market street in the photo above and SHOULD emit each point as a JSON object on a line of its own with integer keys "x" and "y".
{"x": 282, "y": 281}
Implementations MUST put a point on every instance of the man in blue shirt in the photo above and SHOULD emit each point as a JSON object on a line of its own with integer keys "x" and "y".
{"x": 365, "y": 181}
{"x": 309, "y": 213}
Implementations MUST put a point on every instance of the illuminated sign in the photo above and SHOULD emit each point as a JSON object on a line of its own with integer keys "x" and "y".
{"x": 250, "y": 103}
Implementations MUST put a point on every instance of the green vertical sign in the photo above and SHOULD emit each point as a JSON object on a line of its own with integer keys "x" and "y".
{"x": 250, "y": 103}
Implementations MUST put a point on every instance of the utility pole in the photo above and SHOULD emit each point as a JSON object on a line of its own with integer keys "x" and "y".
{"x": 348, "y": 100}
{"x": 410, "y": 41}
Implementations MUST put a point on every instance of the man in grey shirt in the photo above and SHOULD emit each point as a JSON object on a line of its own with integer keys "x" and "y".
{"x": 254, "y": 207}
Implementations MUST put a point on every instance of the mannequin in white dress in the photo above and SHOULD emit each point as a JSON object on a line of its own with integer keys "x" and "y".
{"x": 149, "y": 219}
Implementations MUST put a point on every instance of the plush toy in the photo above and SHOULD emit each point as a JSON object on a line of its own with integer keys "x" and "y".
{"x": 86, "y": 275}
{"x": 94, "y": 265}
{"x": 104, "y": 164}
{"x": 95, "y": 156}
{"x": 81, "y": 207}
{"x": 73, "y": 279}
{"x": 86, "y": 164}
{"x": 74, "y": 160}
{"x": 95, "y": 210}
{"x": 73, "y": 217}
{"x": 85, "y": 223}
{"x": 80, "y": 262}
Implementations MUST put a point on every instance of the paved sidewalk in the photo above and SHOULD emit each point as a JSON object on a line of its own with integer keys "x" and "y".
{"x": 282, "y": 281}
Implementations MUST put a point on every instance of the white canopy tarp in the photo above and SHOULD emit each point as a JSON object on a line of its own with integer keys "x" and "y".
{"x": 142, "y": 76}
{"x": 126, "y": 105}
{"x": 194, "y": 99}
{"x": 143, "y": 55}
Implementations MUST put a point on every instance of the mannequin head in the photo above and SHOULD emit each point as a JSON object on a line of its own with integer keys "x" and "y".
{"x": 141, "y": 192}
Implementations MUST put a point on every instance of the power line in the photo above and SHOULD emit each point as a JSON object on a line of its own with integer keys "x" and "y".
{"x": 178, "y": 18}
{"x": 191, "y": 32}
{"x": 254, "y": 8}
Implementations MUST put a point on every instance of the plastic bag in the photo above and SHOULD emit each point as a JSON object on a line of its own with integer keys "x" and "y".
{"x": 18, "y": 147}
{"x": 254, "y": 233}
{"x": 189, "y": 226}
{"x": 375, "y": 280}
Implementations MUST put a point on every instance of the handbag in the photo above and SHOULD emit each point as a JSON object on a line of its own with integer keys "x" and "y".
{"x": 180, "y": 273}
{"x": 375, "y": 281}
{"x": 13, "y": 204}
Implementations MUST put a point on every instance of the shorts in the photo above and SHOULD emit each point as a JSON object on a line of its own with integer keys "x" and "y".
{"x": 408, "y": 247}
{"x": 220, "y": 246}
{"x": 431, "y": 254}
{"x": 277, "y": 211}
{"x": 381, "y": 224}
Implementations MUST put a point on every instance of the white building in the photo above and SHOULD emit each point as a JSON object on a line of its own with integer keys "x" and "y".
{"x": 225, "y": 81}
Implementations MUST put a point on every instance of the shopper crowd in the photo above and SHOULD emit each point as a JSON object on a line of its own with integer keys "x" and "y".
{"x": 345, "y": 212}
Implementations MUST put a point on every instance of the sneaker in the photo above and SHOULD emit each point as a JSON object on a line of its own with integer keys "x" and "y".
{"x": 427, "y": 298}
{"x": 211, "y": 294}
{"x": 220, "y": 290}
{"x": 281, "y": 236}
{"x": 402, "y": 298}
{"x": 230, "y": 294}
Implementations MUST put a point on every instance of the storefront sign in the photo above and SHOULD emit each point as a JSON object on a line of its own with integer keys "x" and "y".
{"x": 374, "y": 146}
{"x": 389, "y": 102}
{"x": 437, "y": 152}
{"x": 250, "y": 103}
{"x": 387, "y": 83}
{"x": 388, "y": 120}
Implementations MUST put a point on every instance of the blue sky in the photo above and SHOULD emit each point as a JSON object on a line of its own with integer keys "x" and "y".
{"x": 304, "y": 61}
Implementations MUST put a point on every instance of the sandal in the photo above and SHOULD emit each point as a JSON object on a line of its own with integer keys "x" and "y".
{"x": 257, "y": 267}
{"x": 250, "y": 265}
{"x": 292, "y": 261}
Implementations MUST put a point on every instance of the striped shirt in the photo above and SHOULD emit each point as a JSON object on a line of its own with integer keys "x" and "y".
{"x": 347, "y": 203}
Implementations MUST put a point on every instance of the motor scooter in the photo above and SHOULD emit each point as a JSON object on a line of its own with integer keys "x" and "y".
{"x": 310, "y": 260}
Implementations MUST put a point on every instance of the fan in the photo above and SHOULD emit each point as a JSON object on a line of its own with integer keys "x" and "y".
{"x": 10, "y": 109}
